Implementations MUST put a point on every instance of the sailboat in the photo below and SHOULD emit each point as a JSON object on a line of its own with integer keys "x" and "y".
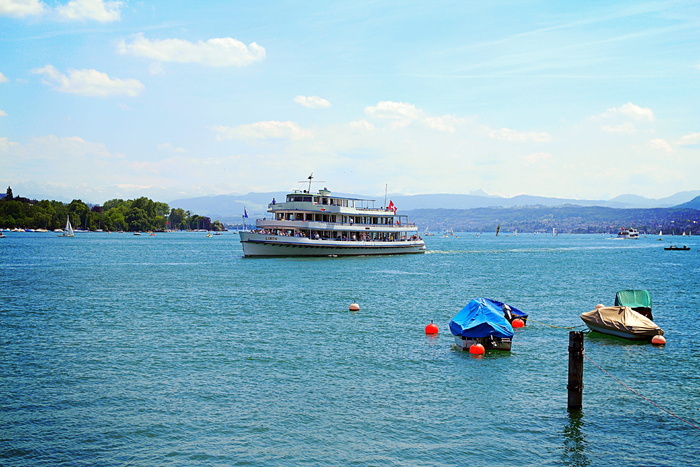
{"x": 498, "y": 230}
{"x": 69, "y": 229}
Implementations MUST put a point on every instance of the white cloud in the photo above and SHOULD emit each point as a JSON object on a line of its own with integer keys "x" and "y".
{"x": 98, "y": 10}
{"x": 690, "y": 139}
{"x": 402, "y": 114}
{"x": 312, "y": 102}
{"x": 21, "y": 8}
{"x": 89, "y": 82}
{"x": 629, "y": 110}
{"x": 506, "y": 134}
{"x": 362, "y": 125}
{"x": 394, "y": 111}
{"x": 660, "y": 144}
{"x": 168, "y": 147}
{"x": 3, "y": 78}
{"x": 74, "y": 10}
{"x": 222, "y": 51}
{"x": 625, "y": 127}
{"x": 537, "y": 157}
{"x": 3, "y": 113}
{"x": 6, "y": 144}
{"x": 262, "y": 130}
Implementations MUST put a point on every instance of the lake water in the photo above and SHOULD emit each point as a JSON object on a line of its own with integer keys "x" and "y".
{"x": 172, "y": 349}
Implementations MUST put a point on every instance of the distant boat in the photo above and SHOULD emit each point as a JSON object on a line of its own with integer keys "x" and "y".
{"x": 677, "y": 248}
{"x": 498, "y": 230}
{"x": 68, "y": 230}
{"x": 554, "y": 231}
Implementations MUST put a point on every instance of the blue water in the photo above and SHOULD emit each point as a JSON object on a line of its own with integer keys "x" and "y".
{"x": 172, "y": 349}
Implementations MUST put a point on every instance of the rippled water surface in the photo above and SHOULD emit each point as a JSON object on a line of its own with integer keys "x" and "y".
{"x": 174, "y": 350}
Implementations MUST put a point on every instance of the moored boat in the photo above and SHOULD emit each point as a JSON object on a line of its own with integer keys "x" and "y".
{"x": 482, "y": 321}
{"x": 621, "y": 321}
{"x": 323, "y": 224}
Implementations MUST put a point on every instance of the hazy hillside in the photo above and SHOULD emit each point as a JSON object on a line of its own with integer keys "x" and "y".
{"x": 229, "y": 208}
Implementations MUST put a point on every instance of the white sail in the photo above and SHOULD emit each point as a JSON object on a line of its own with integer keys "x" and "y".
{"x": 69, "y": 229}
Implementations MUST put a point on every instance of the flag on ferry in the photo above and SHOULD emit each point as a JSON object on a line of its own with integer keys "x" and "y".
{"x": 245, "y": 213}
{"x": 392, "y": 206}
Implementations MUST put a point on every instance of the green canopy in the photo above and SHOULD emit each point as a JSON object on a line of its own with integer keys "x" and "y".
{"x": 638, "y": 300}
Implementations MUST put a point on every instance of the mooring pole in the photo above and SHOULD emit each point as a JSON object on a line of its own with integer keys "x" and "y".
{"x": 575, "y": 386}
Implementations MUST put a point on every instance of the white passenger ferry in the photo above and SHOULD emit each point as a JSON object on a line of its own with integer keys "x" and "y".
{"x": 628, "y": 233}
{"x": 322, "y": 224}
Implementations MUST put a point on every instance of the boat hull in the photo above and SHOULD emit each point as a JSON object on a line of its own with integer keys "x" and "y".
{"x": 645, "y": 335}
{"x": 494, "y": 343}
{"x": 257, "y": 244}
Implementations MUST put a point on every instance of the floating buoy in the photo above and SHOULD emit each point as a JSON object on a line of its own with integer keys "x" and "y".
{"x": 518, "y": 323}
{"x": 477, "y": 349}
{"x": 658, "y": 340}
{"x": 354, "y": 307}
{"x": 431, "y": 328}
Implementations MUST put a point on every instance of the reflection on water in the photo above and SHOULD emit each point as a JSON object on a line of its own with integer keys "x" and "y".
{"x": 575, "y": 444}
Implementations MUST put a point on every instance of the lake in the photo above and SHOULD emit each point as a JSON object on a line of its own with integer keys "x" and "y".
{"x": 173, "y": 349}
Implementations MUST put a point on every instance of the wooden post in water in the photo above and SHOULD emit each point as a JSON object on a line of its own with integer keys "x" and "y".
{"x": 575, "y": 386}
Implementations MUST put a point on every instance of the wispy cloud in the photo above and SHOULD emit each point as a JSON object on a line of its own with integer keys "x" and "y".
{"x": 312, "y": 102}
{"x": 629, "y": 110}
{"x": 97, "y": 10}
{"x": 22, "y": 8}
{"x": 402, "y": 114}
{"x": 89, "y": 82}
{"x": 3, "y": 78}
{"x": 75, "y": 10}
{"x": 660, "y": 144}
{"x": 221, "y": 51}
{"x": 262, "y": 130}
{"x": 690, "y": 139}
{"x": 506, "y": 134}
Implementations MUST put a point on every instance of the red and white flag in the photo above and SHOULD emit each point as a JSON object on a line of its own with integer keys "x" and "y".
{"x": 392, "y": 206}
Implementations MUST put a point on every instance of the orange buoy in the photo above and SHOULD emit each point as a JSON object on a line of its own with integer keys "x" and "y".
{"x": 431, "y": 328}
{"x": 518, "y": 323}
{"x": 477, "y": 349}
{"x": 354, "y": 307}
{"x": 658, "y": 340}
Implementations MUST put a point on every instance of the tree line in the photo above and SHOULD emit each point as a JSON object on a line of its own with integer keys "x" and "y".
{"x": 133, "y": 215}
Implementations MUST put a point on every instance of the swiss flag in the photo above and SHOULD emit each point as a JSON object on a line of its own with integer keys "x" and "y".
{"x": 392, "y": 206}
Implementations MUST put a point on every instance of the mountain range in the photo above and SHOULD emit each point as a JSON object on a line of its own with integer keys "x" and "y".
{"x": 230, "y": 208}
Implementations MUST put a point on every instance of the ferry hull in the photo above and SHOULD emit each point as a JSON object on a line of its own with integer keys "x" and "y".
{"x": 255, "y": 244}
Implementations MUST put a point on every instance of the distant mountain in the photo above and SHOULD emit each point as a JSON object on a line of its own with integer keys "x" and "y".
{"x": 634, "y": 201}
{"x": 229, "y": 208}
{"x": 692, "y": 204}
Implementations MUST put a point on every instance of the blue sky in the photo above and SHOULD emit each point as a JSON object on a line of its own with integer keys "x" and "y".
{"x": 170, "y": 99}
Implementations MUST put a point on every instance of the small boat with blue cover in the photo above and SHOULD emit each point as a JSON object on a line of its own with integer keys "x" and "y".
{"x": 486, "y": 322}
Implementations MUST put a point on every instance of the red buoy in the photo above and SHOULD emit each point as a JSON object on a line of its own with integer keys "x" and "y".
{"x": 431, "y": 328}
{"x": 658, "y": 340}
{"x": 354, "y": 307}
{"x": 477, "y": 349}
{"x": 518, "y": 323}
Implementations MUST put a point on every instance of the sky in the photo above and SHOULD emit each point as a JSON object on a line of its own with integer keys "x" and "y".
{"x": 176, "y": 99}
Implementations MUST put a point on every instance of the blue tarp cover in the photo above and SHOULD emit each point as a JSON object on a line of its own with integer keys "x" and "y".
{"x": 513, "y": 311}
{"x": 481, "y": 318}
